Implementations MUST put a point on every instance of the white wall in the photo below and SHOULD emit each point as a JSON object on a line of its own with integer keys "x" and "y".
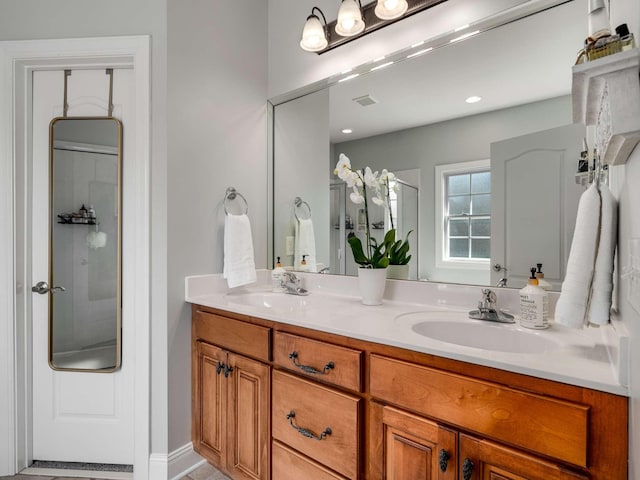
{"x": 217, "y": 137}
{"x": 453, "y": 141}
{"x": 629, "y": 299}
{"x": 43, "y": 19}
{"x": 301, "y": 145}
{"x": 291, "y": 68}
{"x": 628, "y": 11}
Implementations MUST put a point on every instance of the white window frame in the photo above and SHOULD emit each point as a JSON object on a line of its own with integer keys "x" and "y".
{"x": 441, "y": 173}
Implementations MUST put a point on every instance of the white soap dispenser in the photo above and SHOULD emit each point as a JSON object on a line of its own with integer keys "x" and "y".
{"x": 542, "y": 283}
{"x": 534, "y": 304}
{"x": 276, "y": 278}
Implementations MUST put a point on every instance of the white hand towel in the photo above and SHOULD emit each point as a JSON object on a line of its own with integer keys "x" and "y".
{"x": 305, "y": 244}
{"x": 239, "y": 265}
{"x": 602, "y": 285}
{"x": 571, "y": 309}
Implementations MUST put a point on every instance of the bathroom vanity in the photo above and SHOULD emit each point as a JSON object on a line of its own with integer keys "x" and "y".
{"x": 278, "y": 395}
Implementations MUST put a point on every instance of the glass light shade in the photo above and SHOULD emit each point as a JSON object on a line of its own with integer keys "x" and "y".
{"x": 314, "y": 38}
{"x": 350, "y": 21}
{"x": 390, "y": 9}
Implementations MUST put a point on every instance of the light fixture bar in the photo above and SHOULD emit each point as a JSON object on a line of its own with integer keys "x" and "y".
{"x": 373, "y": 23}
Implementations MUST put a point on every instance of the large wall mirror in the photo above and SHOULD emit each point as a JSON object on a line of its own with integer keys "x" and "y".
{"x": 85, "y": 244}
{"x": 488, "y": 188}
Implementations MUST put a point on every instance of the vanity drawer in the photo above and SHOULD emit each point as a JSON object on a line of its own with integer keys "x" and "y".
{"x": 541, "y": 424}
{"x": 234, "y": 335}
{"x": 319, "y": 360}
{"x": 317, "y": 408}
{"x": 287, "y": 464}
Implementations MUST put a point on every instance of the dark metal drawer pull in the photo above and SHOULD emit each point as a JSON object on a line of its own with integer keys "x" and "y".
{"x": 443, "y": 459}
{"x": 467, "y": 469}
{"x": 307, "y": 433}
{"x": 307, "y": 369}
{"x": 219, "y": 367}
{"x": 227, "y": 370}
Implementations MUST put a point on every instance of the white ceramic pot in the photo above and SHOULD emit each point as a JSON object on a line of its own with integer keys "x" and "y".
{"x": 372, "y": 282}
{"x": 398, "y": 272}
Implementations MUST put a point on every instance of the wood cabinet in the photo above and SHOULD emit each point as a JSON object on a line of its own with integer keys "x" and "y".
{"x": 415, "y": 448}
{"x": 299, "y": 403}
{"x": 291, "y": 465}
{"x": 483, "y": 459}
{"x": 318, "y": 421}
{"x": 231, "y": 411}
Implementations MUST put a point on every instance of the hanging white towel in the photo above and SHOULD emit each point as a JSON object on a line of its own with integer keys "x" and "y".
{"x": 572, "y": 306}
{"x": 305, "y": 244}
{"x": 602, "y": 285}
{"x": 239, "y": 264}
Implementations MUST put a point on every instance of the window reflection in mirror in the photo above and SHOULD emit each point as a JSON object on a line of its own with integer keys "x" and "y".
{"x": 419, "y": 120}
{"x": 85, "y": 244}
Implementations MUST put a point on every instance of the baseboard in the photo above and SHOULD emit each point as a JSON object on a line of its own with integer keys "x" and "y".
{"x": 176, "y": 464}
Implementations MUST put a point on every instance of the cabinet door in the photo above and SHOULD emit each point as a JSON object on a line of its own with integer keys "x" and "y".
{"x": 209, "y": 403}
{"x": 249, "y": 418}
{"x": 417, "y": 449}
{"x": 485, "y": 460}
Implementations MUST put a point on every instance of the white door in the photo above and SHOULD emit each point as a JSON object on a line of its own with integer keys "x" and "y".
{"x": 77, "y": 416}
{"x": 531, "y": 176}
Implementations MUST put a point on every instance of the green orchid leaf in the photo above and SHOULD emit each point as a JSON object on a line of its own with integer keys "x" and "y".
{"x": 358, "y": 254}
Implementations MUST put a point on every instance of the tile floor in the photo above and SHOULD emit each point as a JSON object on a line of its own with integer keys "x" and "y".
{"x": 206, "y": 472}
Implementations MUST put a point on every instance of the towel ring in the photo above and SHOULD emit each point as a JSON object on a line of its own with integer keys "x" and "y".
{"x": 299, "y": 203}
{"x": 230, "y": 195}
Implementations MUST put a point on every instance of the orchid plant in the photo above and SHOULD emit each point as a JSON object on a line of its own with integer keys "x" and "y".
{"x": 374, "y": 254}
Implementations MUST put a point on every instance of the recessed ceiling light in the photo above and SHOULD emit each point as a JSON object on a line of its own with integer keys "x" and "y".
{"x": 473, "y": 99}
{"x": 378, "y": 59}
{"x": 381, "y": 66}
{"x": 461, "y": 27}
{"x": 344, "y": 72}
{"x": 346, "y": 130}
{"x": 420, "y": 52}
{"x": 417, "y": 44}
{"x": 462, "y": 37}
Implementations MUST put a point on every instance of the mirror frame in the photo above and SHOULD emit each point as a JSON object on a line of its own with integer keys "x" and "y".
{"x": 52, "y": 216}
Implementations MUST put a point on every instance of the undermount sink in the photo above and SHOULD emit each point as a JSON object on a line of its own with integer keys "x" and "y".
{"x": 269, "y": 300}
{"x": 486, "y": 336}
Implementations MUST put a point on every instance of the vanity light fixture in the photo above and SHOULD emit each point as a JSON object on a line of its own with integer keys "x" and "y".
{"x": 473, "y": 99}
{"x": 354, "y": 21}
{"x": 350, "y": 20}
{"x": 390, "y": 9}
{"x": 314, "y": 37}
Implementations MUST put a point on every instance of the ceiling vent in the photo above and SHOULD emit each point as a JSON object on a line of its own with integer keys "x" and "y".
{"x": 365, "y": 100}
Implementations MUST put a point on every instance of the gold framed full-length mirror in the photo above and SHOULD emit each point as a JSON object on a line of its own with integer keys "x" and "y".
{"x": 85, "y": 244}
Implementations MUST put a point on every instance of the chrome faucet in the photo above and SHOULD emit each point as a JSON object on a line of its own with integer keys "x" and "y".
{"x": 488, "y": 309}
{"x": 291, "y": 284}
{"x": 502, "y": 282}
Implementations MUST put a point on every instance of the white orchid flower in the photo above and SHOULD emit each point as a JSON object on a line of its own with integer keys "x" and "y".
{"x": 356, "y": 197}
{"x": 353, "y": 179}
{"x": 343, "y": 166}
{"x": 371, "y": 179}
{"x": 378, "y": 200}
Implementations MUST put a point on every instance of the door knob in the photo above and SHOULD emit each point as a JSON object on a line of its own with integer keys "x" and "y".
{"x": 43, "y": 287}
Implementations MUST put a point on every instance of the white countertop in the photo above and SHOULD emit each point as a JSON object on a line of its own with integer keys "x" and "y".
{"x": 592, "y": 357}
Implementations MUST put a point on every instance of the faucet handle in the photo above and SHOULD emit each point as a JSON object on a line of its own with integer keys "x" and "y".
{"x": 488, "y": 298}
